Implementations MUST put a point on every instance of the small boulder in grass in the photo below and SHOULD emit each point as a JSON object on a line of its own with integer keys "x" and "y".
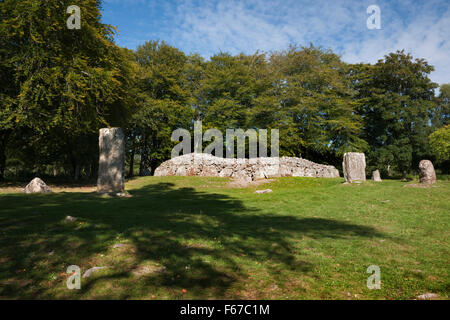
{"x": 428, "y": 296}
{"x": 263, "y": 191}
{"x": 69, "y": 219}
{"x": 37, "y": 186}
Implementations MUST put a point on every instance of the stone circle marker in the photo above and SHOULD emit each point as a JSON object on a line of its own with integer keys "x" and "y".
{"x": 354, "y": 167}
{"x": 111, "y": 161}
{"x": 376, "y": 176}
{"x": 37, "y": 186}
{"x": 427, "y": 174}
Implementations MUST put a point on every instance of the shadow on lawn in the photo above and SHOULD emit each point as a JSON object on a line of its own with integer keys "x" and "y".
{"x": 182, "y": 229}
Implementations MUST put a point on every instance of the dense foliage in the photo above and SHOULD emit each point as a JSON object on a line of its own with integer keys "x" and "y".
{"x": 59, "y": 86}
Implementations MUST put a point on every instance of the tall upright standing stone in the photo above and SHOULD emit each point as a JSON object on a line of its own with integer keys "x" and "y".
{"x": 112, "y": 161}
{"x": 354, "y": 167}
{"x": 427, "y": 174}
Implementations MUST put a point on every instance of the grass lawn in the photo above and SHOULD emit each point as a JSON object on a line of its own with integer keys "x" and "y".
{"x": 196, "y": 238}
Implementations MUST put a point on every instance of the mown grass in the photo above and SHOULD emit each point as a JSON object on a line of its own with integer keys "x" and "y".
{"x": 195, "y": 238}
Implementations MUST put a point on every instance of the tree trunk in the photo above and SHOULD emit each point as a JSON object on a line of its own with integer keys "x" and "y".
{"x": 143, "y": 155}
{"x": 73, "y": 165}
{"x": 153, "y": 167}
{"x": 2, "y": 164}
{"x": 3, "y": 142}
{"x": 77, "y": 172}
{"x": 93, "y": 168}
{"x": 131, "y": 170}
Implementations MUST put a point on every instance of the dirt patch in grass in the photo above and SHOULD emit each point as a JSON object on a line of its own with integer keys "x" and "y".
{"x": 247, "y": 184}
{"x": 418, "y": 185}
{"x": 197, "y": 245}
{"x": 55, "y": 189}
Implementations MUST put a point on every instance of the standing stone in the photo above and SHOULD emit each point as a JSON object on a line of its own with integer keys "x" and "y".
{"x": 376, "y": 176}
{"x": 426, "y": 172}
{"x": 37, "y": 186}
{"x": 354, "y": 166}
{"x": 112, "y": 161}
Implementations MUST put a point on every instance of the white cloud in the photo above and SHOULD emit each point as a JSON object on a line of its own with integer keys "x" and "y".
{"x": 426, "y": 36}
{"x": 207, "y": 27}
{"x": 246, "y": 26}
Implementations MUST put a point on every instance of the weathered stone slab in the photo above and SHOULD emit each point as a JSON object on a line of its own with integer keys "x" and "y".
{"x": 427, "y": 174}
{"x": 111, "y": 161}
{"x": 37, "y": 186}
{"x": 354, "y": 167}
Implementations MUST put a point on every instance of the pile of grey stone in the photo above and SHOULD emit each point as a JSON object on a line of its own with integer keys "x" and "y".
{"x": 36, "y": 186}
{"x": 206, "y": 165}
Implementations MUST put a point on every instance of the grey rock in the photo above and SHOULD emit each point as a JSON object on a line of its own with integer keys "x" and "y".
{"x": 70, "y": 219}
{"x": 428, "y": 296}
{"x": 242, "y": 175}
{"x": 111, "y": 161}
{"x": 354, "y": 167}
{"x": 263, "y": 191}
{"x": 260, "y": 174}
{"x": 376, "y": 176}
{"x": 200, "y": 164}
{"x": 427, "y": 174}
{"x": 37, "y": 186}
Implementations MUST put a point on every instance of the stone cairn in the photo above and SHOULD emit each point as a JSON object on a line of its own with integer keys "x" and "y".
{"x": 354, "y": 167}
{"x": 427, "y": 174}
{"x": 37, "y": 186}
{"x": 206, "y": 165}
{"x": 111, "y": 161}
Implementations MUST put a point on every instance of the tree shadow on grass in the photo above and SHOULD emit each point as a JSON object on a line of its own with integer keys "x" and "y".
{"x": 199, "y": 240}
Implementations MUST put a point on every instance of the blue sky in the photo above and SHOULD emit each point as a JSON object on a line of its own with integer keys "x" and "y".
{"x": 210, "y": 26}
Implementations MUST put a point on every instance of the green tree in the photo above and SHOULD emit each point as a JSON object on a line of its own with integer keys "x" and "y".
{"x": 63, "y": 83}
{"x": 442, "y": 112}
{"x": 162, "y": 101}
{"x": 397, "y": 101}
{"x": 227, "y": 93}
{"x": 314, "y": 104}
{"x": 228, "y": 89}
{"x": 440, "y": 143}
